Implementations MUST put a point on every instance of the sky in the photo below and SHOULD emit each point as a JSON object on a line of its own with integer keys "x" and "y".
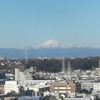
{"x": 31, "y": 22}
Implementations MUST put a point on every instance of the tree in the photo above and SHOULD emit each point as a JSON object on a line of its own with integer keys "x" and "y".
{"x": 46, "y": 97}
{"x": 85, "y": 91}
{"x": 12, "y": 93}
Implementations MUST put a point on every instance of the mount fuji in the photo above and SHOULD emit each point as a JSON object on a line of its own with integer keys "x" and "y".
{"x": 56, "y": 44}
{"x": 51, "y": 49}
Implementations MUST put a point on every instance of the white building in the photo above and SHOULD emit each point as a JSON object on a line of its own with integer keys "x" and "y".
{"x": 77, "y": 99}
{"x": 22, "y": 75}
{"x": 35, "y": 85}
{"x": 33, "y": 82}
{"x": 86, "y": 85}
{"x": 84, "y": 77}
{"x": 96, "y": 87}
{"x": 11, "y": 86}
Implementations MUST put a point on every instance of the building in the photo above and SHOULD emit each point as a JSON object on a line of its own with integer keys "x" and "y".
{"x": 96, "y": 87}
{"x": 77, "y": 98}
{"x": 86, "y": 86}
{"x": 11, "y": 86}
{"x": 67, "y": 88}
{"x": 22, "y": 75}
{"x": 38, "y": 86}
{"x": 1, "y": 88}
{"x": 33, "y": 82}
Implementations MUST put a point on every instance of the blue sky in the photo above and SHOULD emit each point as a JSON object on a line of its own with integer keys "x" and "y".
{"x": 31, "y": 22}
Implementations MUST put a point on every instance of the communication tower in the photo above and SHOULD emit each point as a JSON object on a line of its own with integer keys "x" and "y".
{"x": 26, "y": 60}
{"x": 69, "y": 70}
{"x": 63, "y": 65}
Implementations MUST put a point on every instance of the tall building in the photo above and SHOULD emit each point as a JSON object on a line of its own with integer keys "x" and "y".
{"x": 22, "y": 75}
{"x": 17, "y": 74}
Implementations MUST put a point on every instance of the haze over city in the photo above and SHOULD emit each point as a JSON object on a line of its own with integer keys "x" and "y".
{"x": 32, "y": 22}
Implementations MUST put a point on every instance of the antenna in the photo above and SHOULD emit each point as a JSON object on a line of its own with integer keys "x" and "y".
{"x": 93, "y": 68}
{"x": 63, "y": 65}
{"x": 69, "y": 70}
{"x": 99, "y": 63}
{"x": 26, "y": 60}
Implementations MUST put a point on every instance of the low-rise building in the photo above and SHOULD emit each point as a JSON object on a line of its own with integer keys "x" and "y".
{"x": 86, "y": 86}
{"x": 78, "y": 98}
{"x": 96, "y": 87}
{"x": 67, "y": 88}
{"x": 11, "y": 86}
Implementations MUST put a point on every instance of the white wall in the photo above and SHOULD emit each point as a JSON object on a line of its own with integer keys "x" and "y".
{"x": 11, "y": 86}
{"x": 96, "y": 87}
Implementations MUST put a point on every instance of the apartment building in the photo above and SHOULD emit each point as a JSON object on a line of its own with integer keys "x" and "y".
{"x": 67, "y": 88}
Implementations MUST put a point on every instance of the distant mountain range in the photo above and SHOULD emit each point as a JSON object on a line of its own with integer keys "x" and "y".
{"x": 51, "y": 48}
{"x": 50, "y": 52}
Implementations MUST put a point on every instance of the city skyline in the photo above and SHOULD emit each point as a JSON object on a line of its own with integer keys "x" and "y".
{"x": 28, "y": 23}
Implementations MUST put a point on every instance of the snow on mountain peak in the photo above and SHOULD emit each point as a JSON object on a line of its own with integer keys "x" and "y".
{"x": 56, "y": 44}
{"x": 50, "y": 44}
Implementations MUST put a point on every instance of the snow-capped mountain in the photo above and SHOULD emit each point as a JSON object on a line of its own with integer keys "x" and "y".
{"x": 52, "y": 48}
{"x": 50, "y": 44}
{"x": 56, "y": 44}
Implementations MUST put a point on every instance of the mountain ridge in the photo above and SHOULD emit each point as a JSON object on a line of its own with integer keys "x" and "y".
{"x": 49, "y": 52}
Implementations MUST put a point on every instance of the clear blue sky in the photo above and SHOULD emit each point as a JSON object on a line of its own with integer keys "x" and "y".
{"x": 31, "y": 22}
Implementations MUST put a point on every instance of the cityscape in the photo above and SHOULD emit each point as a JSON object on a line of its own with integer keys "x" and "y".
{"x": 20, "y": 80}
{"x": 49, "y": 49}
